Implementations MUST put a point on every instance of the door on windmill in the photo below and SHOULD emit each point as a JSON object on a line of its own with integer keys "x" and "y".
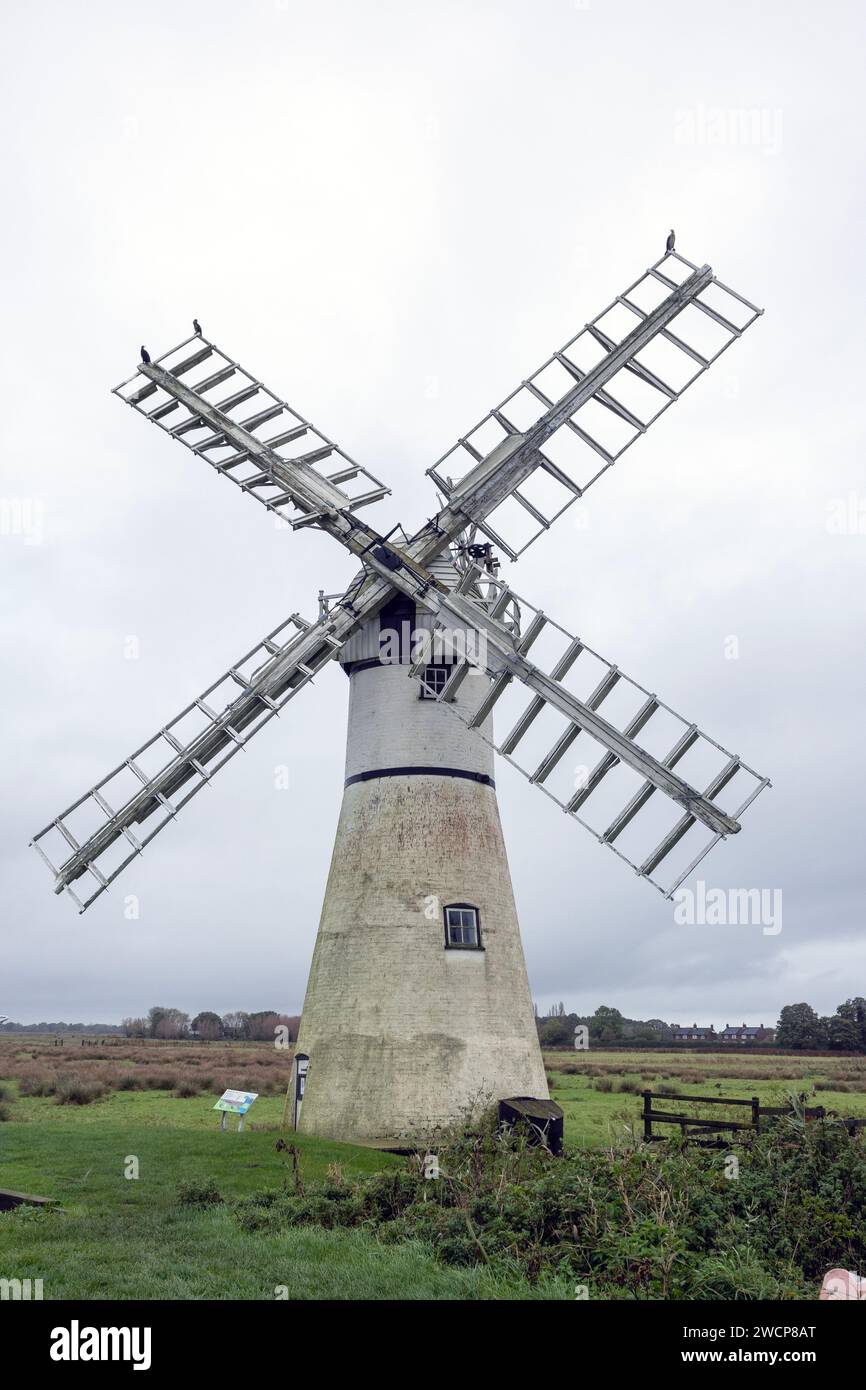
{"x": 462, "y": 927}
{"x": 300, "y": 1067}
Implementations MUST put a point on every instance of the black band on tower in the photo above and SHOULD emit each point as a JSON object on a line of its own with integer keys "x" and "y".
{"x": 420, "y": 772}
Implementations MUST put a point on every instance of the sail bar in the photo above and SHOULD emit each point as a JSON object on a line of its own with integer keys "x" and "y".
{"x": 536, "y": 453}
{"x": 638, "y": 785}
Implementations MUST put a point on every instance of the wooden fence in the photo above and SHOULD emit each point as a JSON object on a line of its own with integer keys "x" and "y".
{"x": 701, "y": 1130}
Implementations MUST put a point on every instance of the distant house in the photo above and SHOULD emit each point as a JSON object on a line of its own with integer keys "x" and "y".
{"x": 744, "y": 1034}
{"x": 692, "y": 1034}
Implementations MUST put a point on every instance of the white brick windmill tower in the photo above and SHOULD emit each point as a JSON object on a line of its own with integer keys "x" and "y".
{"x": 418, "y": 1002}
{"x": 418, "y": 978}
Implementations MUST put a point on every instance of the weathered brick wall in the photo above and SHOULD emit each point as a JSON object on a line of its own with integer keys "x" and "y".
{"x": 404, "y": 1034}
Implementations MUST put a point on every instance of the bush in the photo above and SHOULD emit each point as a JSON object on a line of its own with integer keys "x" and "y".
{"x": 5, "y": 1112}
{"x": 187, "y": 1088}
{"x": 603, "y": 1083}
{"x": 203, "y": 1193}
{"x": 160, "y": 1081}
{"x": 75, "y": 1090}
{"x": 41, "y": 1085}
{"x": 652, "y": 1221}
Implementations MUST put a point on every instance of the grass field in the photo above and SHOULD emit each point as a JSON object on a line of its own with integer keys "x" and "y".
{"x": 125, "y": 1237}
{"x": 594, "y": 1116}
{"x": 119, "y": 1237}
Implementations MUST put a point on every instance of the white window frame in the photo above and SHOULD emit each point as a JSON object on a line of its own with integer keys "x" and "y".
{"x": 437, "y": 682}
{"x": 467, "y": 925}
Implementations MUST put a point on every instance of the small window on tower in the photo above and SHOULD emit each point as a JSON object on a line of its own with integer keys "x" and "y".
{"x": 433, "y": 682}
{"x": 461, "y": 927}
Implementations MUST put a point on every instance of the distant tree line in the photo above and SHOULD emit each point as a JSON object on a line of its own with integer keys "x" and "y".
{"x": 606, "y": 1025}
{"x": 801, "y": 1027}
{"x": 170, "y": 1023}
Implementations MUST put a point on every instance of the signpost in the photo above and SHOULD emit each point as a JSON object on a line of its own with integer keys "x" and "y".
{"x": 300, "y": 1067}
{"x": 235, "y": 1103}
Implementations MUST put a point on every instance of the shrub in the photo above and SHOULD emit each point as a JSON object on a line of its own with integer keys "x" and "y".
{"x": 37, "y": 1085}
{"x": 203, "y": 1193}
{"x": 160, "y": 1081}
{"x": 187, "y": 1088}
{"x": 603, "y": 1083}
{"x": 651, "y": 1221}
{"x": 75, "y": 1090}
{"x": 5, "y": 1113}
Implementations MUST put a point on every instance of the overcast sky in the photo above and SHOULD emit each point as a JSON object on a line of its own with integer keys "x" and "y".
{"x": 393, "y": 213}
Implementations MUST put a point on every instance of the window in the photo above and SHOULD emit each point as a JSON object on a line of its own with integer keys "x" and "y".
{"x": 434, "y": 681}
{"x": 461, "y": 927}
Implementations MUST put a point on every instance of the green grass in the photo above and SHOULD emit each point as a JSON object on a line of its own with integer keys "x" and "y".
{"x": 130, "y": 1238}
{"x": 595, "y": 1117}
{"x": 117, "y": 1237}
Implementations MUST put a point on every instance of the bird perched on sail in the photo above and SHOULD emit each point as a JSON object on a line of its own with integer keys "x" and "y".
{"x": 145, "y": 355}
{"x": 669, "y": 244}
{"x": 197, "y": 327}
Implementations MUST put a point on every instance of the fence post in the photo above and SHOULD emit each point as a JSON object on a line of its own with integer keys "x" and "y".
{"x": 647, "y": 1121}
{"x": 756, "y": 1114}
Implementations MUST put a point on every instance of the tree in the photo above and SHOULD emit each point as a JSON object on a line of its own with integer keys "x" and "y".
{"x": 853, "y": 1011}
{"x": 555, "y": 1032}
{"x": 799, "y": 1027}
{"x": 658, "y": 1027}
{"x": 173, "y": 1024}
{"x": 167, "y": 1023}
{"x": 556, "y": 1010}
{"x": 208, "y": 1025}
{"x": 154, "y": 1018}
{"x": 236, "y": 1025}
{"x": 606, "y": 1024}
{"x": 262, "y": 1025}
{"x": 842, "y": 1034}
{"x": 135, "y": 1027}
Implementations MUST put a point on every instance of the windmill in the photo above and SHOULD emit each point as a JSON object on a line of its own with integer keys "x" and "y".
{"x": 418, "y": 1004}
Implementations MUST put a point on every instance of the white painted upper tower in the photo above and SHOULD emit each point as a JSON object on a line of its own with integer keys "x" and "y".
{"x": 418, "y": 1009}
